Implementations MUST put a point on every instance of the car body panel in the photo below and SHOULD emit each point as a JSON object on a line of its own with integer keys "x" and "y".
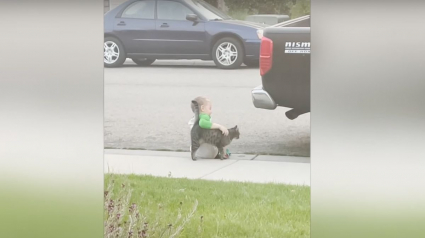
{"x": 181, "y": 39}
{"x": 251, "y": 49}
{"x": 137, "y": 35}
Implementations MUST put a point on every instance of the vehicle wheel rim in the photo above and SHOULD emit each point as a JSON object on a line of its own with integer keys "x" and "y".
{"x": 111, "y": 52}
{"x": 227, "y": 53}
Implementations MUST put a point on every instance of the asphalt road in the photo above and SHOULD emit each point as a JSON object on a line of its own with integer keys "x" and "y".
{"x": 149, "y": 108}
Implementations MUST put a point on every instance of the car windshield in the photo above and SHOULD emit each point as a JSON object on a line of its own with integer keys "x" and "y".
{"x": 208, "y": 11}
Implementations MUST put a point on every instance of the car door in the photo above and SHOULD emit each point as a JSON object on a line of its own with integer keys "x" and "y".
{"x": 176, "y": 36}
{"x": 135, "y": 26}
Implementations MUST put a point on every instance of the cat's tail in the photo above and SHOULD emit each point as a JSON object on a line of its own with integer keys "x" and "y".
{"x": 194, "y": 133}
{"x": 194, "y": 137}
{"x": 196, "y": 110}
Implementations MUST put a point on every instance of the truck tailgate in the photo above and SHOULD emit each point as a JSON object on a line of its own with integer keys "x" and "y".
{"x": 288, "y": 80}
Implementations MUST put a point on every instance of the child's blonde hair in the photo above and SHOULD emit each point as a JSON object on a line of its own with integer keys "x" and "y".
{"x": 200, "y": 100}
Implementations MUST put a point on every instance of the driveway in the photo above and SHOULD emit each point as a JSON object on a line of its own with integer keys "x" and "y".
{"x": 149, "y": 108}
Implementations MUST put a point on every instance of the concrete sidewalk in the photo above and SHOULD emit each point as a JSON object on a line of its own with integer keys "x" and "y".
{"x": 240, "y": 167}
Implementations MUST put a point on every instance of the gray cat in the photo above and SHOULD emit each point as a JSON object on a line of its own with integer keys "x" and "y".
{"x": 214, "y": 137}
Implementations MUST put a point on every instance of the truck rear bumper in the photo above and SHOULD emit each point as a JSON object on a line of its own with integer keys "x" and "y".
{"x": 262, "y": 99}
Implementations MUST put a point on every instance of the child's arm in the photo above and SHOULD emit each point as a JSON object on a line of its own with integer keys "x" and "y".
{"x": 205, "y": 122}
{"x": 221, "y": 128}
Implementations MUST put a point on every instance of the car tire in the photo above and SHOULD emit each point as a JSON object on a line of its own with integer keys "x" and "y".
{"x": 143, "y": 62}
{"x": 113, "y": 53}
{"x": 228, "y": 53}
{"x": 252, "y": 63}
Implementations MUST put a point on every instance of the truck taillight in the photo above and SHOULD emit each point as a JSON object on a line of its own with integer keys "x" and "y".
{"x": 266, "y": 55}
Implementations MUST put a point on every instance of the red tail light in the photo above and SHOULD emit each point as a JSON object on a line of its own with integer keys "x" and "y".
{"x": 266, "y": 55}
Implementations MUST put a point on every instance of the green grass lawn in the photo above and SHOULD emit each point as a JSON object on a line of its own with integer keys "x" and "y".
{"x": 224, "y": 209}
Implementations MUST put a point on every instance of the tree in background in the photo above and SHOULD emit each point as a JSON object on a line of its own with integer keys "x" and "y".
{"x": 239, "y": 9}
{"x": 259, "y": 6}
{"x": 212, "y": 2}
{"x": 299, "y": 9}
{"x": 220, "y": 4}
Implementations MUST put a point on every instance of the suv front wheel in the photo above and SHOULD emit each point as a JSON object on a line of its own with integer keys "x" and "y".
{"x": 228, "y": 53}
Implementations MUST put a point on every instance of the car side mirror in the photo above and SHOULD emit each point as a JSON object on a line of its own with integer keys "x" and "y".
{"x": 192, "y": 17}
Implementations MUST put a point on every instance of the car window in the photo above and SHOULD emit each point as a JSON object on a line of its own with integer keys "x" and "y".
{"x": 168, "y": 10}
{"x": 141, "y": 10}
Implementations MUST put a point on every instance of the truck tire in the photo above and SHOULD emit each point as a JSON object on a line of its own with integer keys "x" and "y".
{"x": 228, "y": 53}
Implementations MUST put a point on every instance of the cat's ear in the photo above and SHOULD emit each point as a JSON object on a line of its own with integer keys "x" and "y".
{"x": 236, "y": 127}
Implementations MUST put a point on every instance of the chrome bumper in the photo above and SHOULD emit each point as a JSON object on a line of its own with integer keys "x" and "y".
{"x": 262, "y": 99}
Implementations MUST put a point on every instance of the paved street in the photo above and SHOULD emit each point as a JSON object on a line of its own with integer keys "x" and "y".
{"x": 149, "y": 108}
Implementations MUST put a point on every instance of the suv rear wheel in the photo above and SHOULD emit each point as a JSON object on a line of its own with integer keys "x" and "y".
{"x": 113, "y": 52}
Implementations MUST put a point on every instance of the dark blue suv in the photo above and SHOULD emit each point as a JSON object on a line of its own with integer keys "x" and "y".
{"x": 146, "y": 30}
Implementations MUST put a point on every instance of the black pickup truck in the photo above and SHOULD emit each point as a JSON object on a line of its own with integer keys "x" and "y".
{"x": 285, "y": 67}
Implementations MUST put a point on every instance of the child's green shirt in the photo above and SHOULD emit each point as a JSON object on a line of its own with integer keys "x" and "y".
{"x": 205, "y": 121}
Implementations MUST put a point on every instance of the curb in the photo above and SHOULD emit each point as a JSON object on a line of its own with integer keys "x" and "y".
{"x": 252, "y": 157}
